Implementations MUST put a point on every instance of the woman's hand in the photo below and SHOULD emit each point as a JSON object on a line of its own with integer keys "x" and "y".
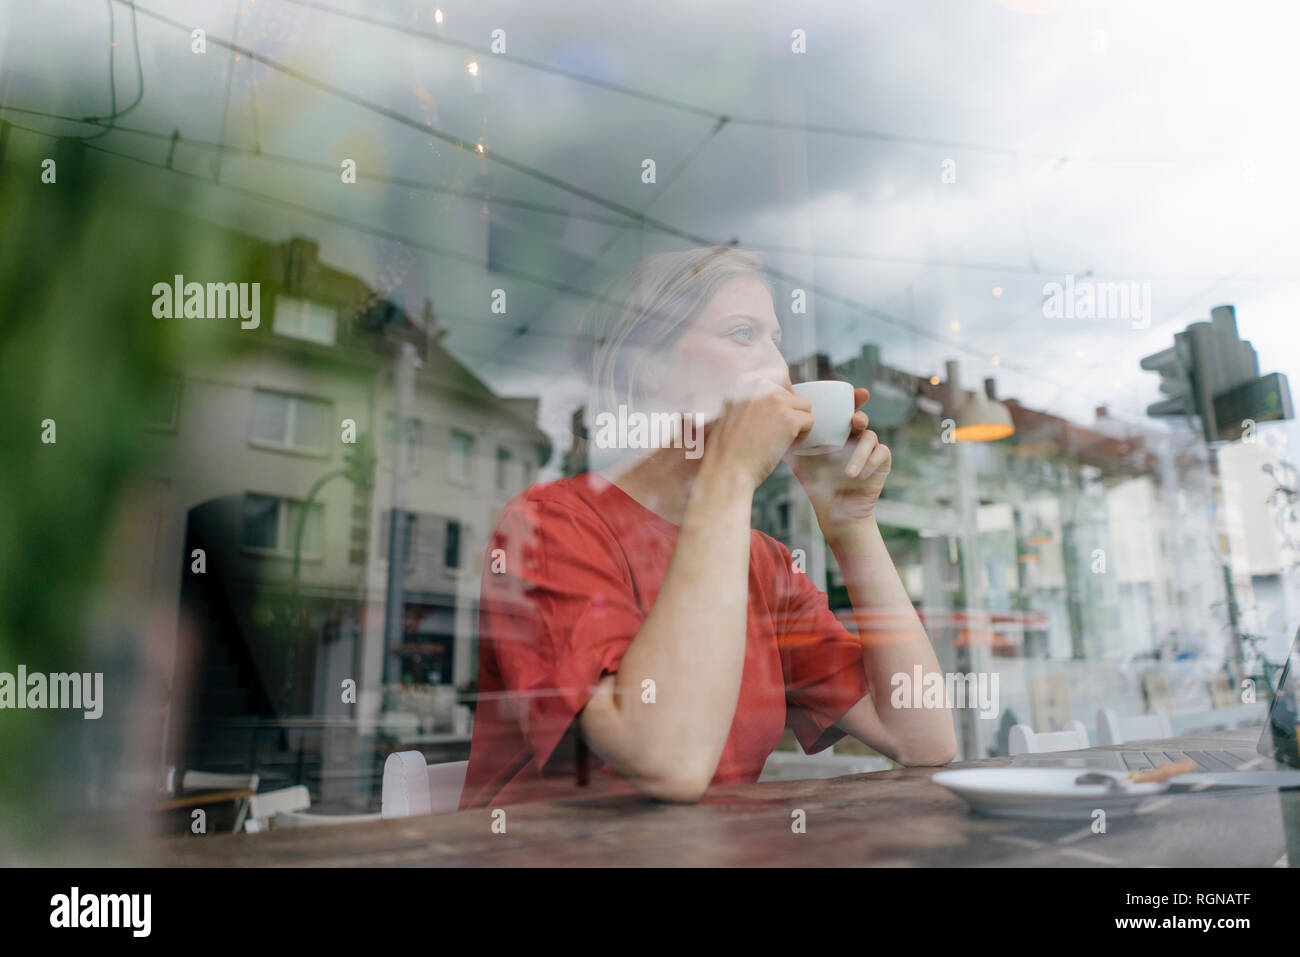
{"x": 844, "y": 486}
{"x": 758, "y": 424}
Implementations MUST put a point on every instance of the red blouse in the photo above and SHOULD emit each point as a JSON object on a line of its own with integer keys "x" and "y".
{"x": 572, "y": 570}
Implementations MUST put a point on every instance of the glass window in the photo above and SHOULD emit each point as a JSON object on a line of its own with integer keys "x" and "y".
{"x": 503, "y": 469}
{"x": 270, "y": 524}
{"x": 311, "y": 532}
{"x": 270, "y": 416}
{"x": 432, "y": 544}
{"x": 261, "y": 517}
{"x": 1086, "y": 559}
{"x": 309, "y": 424}
{"x": 393, "y": 433}
{"x": 462, "y": 448}
{"x": 451, "y": 549}
{"x": 289, "y": 421}
{"x": 304, "y": 319}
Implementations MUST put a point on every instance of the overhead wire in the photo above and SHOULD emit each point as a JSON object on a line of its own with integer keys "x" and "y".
{"x": 547, "y": 209}
{"x": 113, "y": 113}
{"x": 544, "y": 281}
{"x": 628, "y": 213}
{"x": 729, "y": 117}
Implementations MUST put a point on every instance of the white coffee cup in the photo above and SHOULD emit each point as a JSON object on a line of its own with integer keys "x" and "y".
{"x": 832, "y": 412}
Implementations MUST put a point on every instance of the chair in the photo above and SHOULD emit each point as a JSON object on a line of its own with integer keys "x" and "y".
{"x": 1113, "y": 729}
{"x": 221, "y": 781}
{"x": 287, "y": 808}
{"x": 1024, "y": 740}
{"x": 263, "y": 807}
{"x": 413, "y": 787}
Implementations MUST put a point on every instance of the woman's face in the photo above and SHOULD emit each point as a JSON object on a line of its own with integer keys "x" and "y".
{"x": 733, "y": 344}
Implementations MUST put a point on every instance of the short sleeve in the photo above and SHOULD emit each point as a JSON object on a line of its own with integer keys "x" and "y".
{"x": 558, "y": 608}
{"x": 822, "y": 661}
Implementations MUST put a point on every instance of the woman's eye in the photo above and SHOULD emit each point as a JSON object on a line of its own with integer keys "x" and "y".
{"x": 742, "y": 332}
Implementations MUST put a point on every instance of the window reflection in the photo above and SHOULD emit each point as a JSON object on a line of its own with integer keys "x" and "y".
{"x": 1068, "y": 559}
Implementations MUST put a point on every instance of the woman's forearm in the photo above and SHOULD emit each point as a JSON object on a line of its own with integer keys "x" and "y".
{"x": 692, "y": 642}
{"x": 894, "y": 641}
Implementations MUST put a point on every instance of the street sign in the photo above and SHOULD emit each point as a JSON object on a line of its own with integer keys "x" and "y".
{"x": 1266, "y": 399}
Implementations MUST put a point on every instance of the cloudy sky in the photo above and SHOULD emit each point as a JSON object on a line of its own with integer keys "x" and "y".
{"x": 925, "y": 167}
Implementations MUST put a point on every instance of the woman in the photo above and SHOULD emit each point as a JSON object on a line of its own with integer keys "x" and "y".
{"x": 633, "y": 611}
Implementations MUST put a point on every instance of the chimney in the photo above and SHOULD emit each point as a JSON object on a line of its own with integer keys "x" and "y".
{"x": 301, "y": 263}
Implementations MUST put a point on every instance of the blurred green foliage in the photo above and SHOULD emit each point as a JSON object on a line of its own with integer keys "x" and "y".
{"x": 78, "y": 345}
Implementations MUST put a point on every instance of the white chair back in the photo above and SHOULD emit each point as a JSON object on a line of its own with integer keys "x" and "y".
{"x": 1024, "y": 740}
{"x": 263, "y": 807}
{"x": 1114, "y": 729}
{"x": 412, "y": 787}
{"x": 220, "y": 781}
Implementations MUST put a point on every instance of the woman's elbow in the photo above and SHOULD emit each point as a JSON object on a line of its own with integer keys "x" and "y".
{"x": 929, "y": 759}
{"x": 675, "y": 788}
{"x": 929, "y": 754}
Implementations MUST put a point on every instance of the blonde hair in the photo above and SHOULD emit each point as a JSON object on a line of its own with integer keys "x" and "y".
{"x": 643, "y": 313}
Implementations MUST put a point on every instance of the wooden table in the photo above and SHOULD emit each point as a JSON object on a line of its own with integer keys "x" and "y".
{"x": 198, "y": 798}
{"x": 886, "y": 818}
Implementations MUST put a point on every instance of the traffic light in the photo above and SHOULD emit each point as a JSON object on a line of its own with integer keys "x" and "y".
{"x": 359, "y": 461}
{"x": 1175, "y": 367}
{"x": 1211, "y": 373}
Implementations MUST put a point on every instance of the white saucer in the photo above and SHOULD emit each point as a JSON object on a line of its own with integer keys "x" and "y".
{"x": 1043, "y": 793}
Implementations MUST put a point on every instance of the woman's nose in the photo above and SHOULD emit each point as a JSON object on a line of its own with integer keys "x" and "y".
{"x": 774, "y": 366}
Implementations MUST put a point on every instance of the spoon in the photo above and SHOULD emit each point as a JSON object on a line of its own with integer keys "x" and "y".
{"x": 1162, "y": 773}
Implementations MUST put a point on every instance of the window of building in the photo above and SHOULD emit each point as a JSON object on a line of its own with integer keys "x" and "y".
{"x": 462, "y": 451}
{"x": 427, "y": 651}
{"x": 451, "y": 545}
{"x": 270, "y": 525}
{"x": 304, "y": 319}
{"x": 432, "y": 543}
{"x": 503, "y": 468}
{"x": 394, "y": 434}
{"x": 289, "y": 422}
{"x": 410, "y": 534}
